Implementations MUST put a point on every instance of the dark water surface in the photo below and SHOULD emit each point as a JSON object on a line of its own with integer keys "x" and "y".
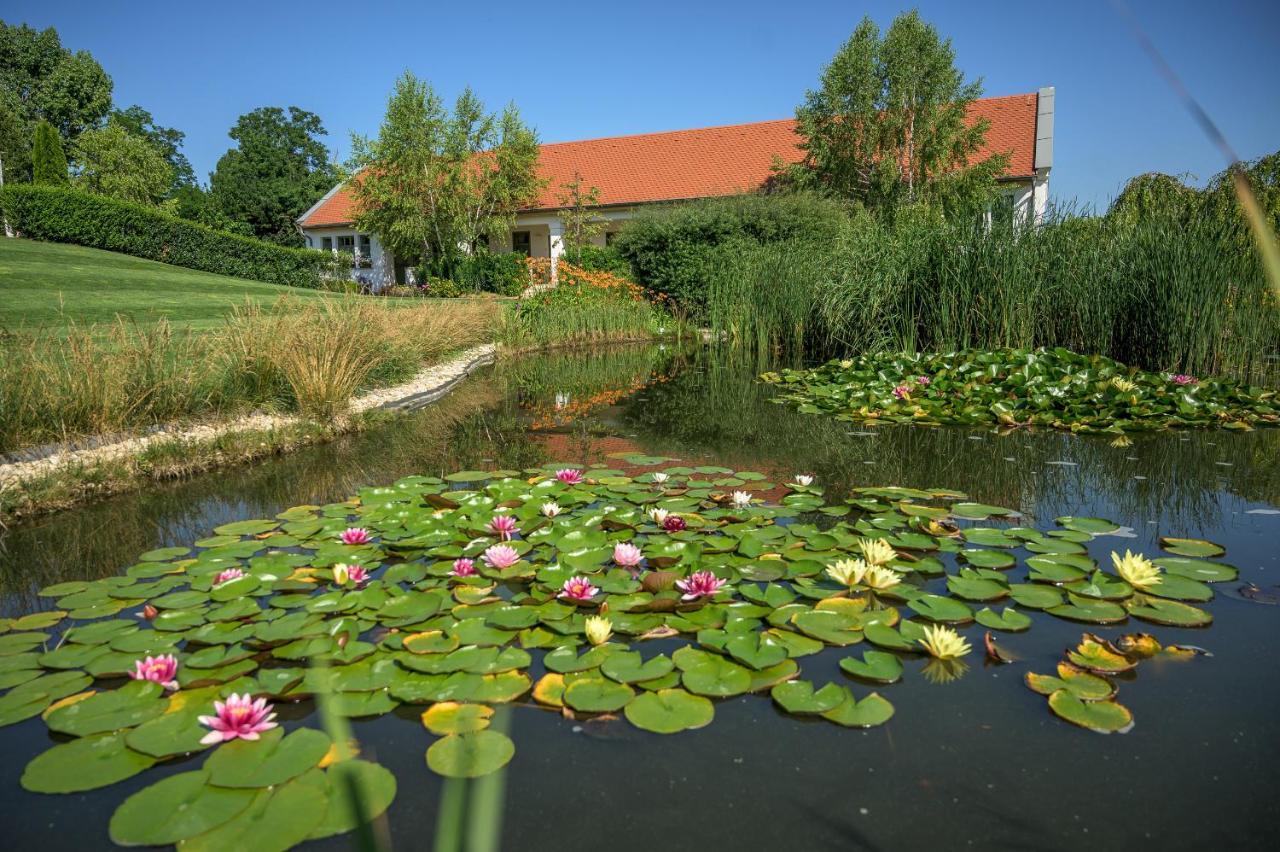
{"x": 975, "y": 763}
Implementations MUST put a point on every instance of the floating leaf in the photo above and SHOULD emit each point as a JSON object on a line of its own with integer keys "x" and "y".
{"x": 867, "y": 713}
{"x": 1007, "y": 619}
{"x": 597, "y": 695}
{"x": 174, "y": 809}
{"x": 276, "y": 820}
{"x": 130, "y": 705}
{"x": 272, "y": 759}
{"x": 669, "y": 711}
{"x": 878, "y": 666}
{"x": 450, "y": 717}
{"x": 1171, "y": 613}
{"x": 471, "y": 755}
{"x": 799, "y": 696}
{"x": 1103, "y": 717}
{"x": 84, "y": 764}
{"x": 1081, "y": 684}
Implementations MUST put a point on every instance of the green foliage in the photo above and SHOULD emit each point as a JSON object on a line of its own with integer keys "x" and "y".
{"x": 1015, "y": 387}
{"x": 69, "y": 216}
{"x": 196, "y": 203}
{"x": 48, "y": 161}
{"x": 672, "y": 249}
{"x": 577, "y": 214}
{"x": 69, "y": 90}
{"x": 278, "y": 169}
{"x": 486, "y": 271}
{"x": 581, "y": 313}
{"x": 165, "y": 140}
{"x": 113, "y": 162}
{"x": 599, "y": 259}
{"x": 887, "y": 126}
{"x": 435, "y": 180}
{"x": 15, "y": 139}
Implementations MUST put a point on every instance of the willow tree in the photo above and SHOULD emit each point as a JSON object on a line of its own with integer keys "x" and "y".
{"x": 888, "y": 124}
{"x": 435, "y": 181}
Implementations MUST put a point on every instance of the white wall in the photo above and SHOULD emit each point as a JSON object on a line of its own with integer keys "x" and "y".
{"x": 381, "y": 270}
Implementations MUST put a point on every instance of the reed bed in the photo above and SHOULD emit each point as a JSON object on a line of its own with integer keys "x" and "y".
{"x": 307, "y": 358}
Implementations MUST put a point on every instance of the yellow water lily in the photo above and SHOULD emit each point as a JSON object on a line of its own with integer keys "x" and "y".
{"x": 1122, "y": 441}
{"x": 876, "y": 551}
{"x": 599, "y": 629}
{"x": 1136, "y": 569}
{"x": 848, "y": 572}
{"x": 880, "y": 578}
{"x": 1123, "y": 385}
{"x": 944, "y": 643}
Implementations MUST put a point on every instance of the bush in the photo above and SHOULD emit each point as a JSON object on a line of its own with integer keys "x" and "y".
{"x": 68, "y": 216}
{"x": 442, "y": 288}
{"x": 600, "y": 259}
{"x": 672, "y": 249}
{"x": 492, "y": 272}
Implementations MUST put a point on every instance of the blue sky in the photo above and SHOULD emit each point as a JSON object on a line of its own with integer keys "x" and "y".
{"x": 600, "y": 69}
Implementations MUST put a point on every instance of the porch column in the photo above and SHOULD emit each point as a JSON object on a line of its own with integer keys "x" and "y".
{"x": 556, "y": 236}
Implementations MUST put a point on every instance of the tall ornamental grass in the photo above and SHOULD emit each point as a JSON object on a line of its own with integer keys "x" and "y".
{"x": 294, "y": 358}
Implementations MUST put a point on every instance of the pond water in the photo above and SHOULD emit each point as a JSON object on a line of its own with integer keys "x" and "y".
{"x": 977, "y": 762}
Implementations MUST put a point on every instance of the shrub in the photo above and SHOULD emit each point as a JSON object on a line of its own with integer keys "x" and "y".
{"x": 600, "y": 259}
{"x": 68, "y": 216}
{"x": 493, "y": 272}
{"x": 441, "y": 288}
{"x": 48, "y": 160}
{"x": 671, "y": 249}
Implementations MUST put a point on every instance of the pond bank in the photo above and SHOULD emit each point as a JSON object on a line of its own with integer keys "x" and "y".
{"x": 62, "y": 475}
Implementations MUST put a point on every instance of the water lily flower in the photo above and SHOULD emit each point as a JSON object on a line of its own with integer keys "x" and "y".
{"x": 1183, "y": 379}
{"x": 599, "y": 629}
{"x": 627, "y": 555}
{"x": 673, "y": 523}
{"x": 1136, "y": 569}
{"x": 343, "y": 573}
{"x": 876, "y": 551}
{"x": 659, "y": 478}
{"x": 658, "y": 515}
{"x": 569, "y": 476}
{"x": 500, "y": 556}
{"x": 699, "y": 584}
{"x": 1122, "y": 441}
{"x": 550, "y": 510}
{"x": 354, "y": 535}
{"x": 149, "y": 612}
{"x": 227, "y": 575}
{"x": 463, "y": 568}
{"x": 944, "y": 643}
{"x": 578, "y": 589}
{"x": 848, "y": 572}
{"x": 846, "y": 364}
{"x": 742, "y": 499}
{"x": 902, "y": 392}
{"x": 161, "y": 669}
{"x": 880, "y": 578}
{"x": 923, "y": 381}
{"x": 1123, "y": 385}
{"x": 239, "y": 716}
{"x": 804, "y": 480}
{"x": 504, "y": 526}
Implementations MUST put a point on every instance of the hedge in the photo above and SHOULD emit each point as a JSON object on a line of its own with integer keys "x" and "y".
{"x": 70, "y": 216}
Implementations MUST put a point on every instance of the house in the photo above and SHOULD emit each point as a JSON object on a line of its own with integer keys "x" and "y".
{"x": 655, "y": 168}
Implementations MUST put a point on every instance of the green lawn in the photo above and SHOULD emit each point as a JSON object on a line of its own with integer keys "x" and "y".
{"x": 49, "y": 285}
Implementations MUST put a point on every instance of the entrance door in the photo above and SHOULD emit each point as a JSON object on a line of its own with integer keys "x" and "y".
{"x": 520, "y": 243}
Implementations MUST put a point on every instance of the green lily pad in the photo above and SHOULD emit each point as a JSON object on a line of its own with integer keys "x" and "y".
{"x": 272, "y": 759}
{"x": 1193, "y": 547}
{"x": 941, "y": 609}
{"x": 597, "y": 695}
{"x": 1103, "y": 717}
{"x": 879, "y": 666}
{"x": 1094, "y": 526}
{"x": 174, "y": 809}
{"x": 84, "y": 764}
{"x": 630, "y": 667}
{"x": 1171, "y": 613}
{"x": 1197, "y": 569}
{"x": 867, "y": 713}
{"x": 716, "y": 677}
{"x": 799, "y": 696}
{"x": 1081, "y": 684}
{"x": 130, "y": 705}
{"x": 378, "y": 788}
{"x": 1007, "y": 619}
{"x": 450, "y": 717}
{"x": 1088, "y": 610}
{"x": 471, "y": 755}
{"x": 276, "y": 820}
{"x": 669, "y": 711}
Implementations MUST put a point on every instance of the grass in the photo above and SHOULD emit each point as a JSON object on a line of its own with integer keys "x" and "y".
{"x": 56, "y": 286}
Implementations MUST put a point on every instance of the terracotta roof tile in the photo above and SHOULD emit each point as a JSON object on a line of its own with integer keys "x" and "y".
{"x": 711, "y": 161}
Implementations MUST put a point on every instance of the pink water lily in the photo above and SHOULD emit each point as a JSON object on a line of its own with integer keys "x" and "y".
{"x": 504, "y": 526}
{"x": 578, "y": 589}
{"x": 227, "y": 575}
{"x": 923, "y": 380}
{"x": 627, "y": 555}
{"x": 699, "y": 584}
{"x": 353, "y": 573}
{"x": 463, "y": 568}
{"x": 1184, "y": 379}
{"x": 569, "y": 476}
{"x": 354, "y": 535}
{"x": 162, "y": 669}
{"x": 501, "y": 556}
{"x": 239, "y": 716}
{"x": 673, "y": 523}
{"x": 902, "y": 392}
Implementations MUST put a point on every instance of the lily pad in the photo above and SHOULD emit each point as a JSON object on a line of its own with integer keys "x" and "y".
{"x": 130, "y": 705}
{"x": 1103, "y": 717}
{"x": 669, "y": 711}
{"x": 450, "y": 717}
{"x": 867, "y": 713}
{"x": 84, "y": 764}
{"x": 276, "y": 820}
{"x": 1193, "y": 547}
{"x": 879, "y": 666}
{"x": 471, "y": 755}
{"x": 272, "y": 759}
{"x": 1007, "y": 619}
{"x": 799, "y": 696}
{"x": 174, "y": 809}
{"x": 597, "y": 695}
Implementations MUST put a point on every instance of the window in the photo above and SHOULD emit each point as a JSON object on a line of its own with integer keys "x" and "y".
{"x": 326, "y": 243}
{"x": 347, "y": 244}
{"x": 366, "y": 250}
{"x": 609, "y": 237}
{"x": 520, "y": 243}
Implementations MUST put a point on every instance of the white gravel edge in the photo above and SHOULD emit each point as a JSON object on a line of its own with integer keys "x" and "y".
{"x": 426, "y": 387}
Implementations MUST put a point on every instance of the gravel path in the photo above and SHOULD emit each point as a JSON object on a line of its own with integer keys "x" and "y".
{"x": 426, "y": 387}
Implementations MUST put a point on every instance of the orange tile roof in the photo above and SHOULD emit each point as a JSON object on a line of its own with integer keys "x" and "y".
{"x": 711, "y": 161}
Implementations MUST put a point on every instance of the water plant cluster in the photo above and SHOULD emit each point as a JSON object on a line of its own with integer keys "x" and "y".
{"x": 591, "y": 593}
{"x": 1019, "y": 387}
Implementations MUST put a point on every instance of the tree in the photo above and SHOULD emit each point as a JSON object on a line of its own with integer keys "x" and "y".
{"x": 48, "y": 161}
{"x": 15, "y": 139}
{"x": 277, "y": 170}
{"x": 113, "y": 162}
{"x": 196, "y": 203}
{"x": 69, "y": 90}
{"x": 434, "y": 181}
{"x": 165, "y": 140}
{"x": 577, "y": 214}
{"x": 888, "y": 124}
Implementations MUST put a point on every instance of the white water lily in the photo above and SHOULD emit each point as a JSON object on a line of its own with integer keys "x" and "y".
{"x": 599, "y": 629}
{"x": 804, "y": 480}
{"x": 877, "y": 551}
{"x": 658, "y": 515}
{"x": 944, "y": 643}
{"x": 880, "y": 578}
{"x": 660, "y": 478}
{"x": 742, "y": 499}
{"x": 1123, "y": 385}
{"x": 1136, "y": 569}
{"x": 550, "y": 510}
{"x": 849, "y": 572}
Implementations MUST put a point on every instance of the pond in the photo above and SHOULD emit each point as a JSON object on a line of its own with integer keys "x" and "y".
{"x": 977, "y": 761}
